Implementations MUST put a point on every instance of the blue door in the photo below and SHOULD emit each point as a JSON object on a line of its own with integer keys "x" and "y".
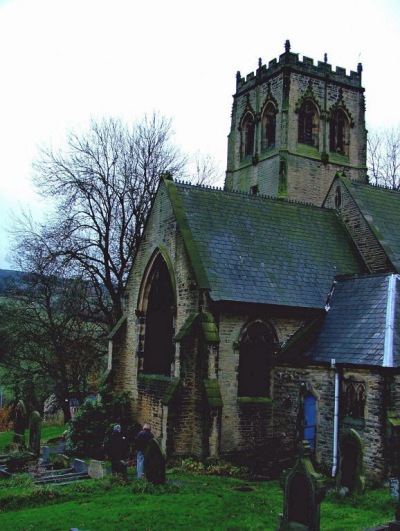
{"x": 310, "y": 414}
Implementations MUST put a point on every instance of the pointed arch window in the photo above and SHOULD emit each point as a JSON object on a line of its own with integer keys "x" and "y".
{"x": 268, "y": 126}
{"x": 308, "y": 132}
{"x": 247, "y": 136}
{"x": 159, "y": 328}
{"x": 354, "y": 400}
{"x": 257, "y": 346}
{"x": 339, "y": 133}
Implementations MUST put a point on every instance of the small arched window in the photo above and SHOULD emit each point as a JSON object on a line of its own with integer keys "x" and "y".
{"x": 257, "y": 345}
{"x": 268, "y": 126}
{"x": 308, "y": 124}
{"x": 247, "y": 136}
{"x": 339, "y": 133}
{"x": 159, "y": 328}
{"x": 355, "y": 400}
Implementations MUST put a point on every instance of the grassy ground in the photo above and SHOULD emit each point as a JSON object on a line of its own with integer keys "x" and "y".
{"x": 47, "y": 432}
{"x": 194, "y": 501}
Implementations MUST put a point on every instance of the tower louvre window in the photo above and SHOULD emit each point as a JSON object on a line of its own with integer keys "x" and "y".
{"x": 247, "y": 139}
{"x": 339, "y": 133}
{"x": 308, "y": 132}
{"x": 268, "y": 126}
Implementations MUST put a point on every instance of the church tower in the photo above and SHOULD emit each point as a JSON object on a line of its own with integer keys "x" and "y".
{"x": 294, "y": 125}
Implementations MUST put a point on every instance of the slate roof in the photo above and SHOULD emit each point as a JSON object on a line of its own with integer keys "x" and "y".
{"x": 381, "y": 208}
{"x": 355, "y": 326}
{"x": 257, "y": 249}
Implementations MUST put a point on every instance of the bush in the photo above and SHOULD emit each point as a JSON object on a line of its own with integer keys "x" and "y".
{"x": 19, "y": 461}
{"x": 90, "y": 428}
{"x": 6, "y": 423}
{"x": 213, "y": 467}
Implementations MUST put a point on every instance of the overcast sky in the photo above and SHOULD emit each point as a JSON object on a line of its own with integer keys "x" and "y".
{"x": 65, "y": 61}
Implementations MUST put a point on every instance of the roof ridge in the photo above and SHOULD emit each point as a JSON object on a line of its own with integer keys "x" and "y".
{"x": 249, "y": 194}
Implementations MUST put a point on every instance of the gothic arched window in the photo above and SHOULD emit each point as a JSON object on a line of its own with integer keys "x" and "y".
{"x": 339, "y": 133}
{"x": 257, "y": 345}
{"x": 159, "y": 331}
{"x": 308, "y": 124}
{"x": 247, "y": 136}
{"x": 268, "y": 126}
{"x": 354, "y": 400}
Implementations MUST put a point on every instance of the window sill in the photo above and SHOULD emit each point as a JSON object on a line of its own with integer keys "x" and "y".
{"x": 353, "y": 423}
{"x": 143, "y": 376}
{"x": 254, "y": 400}
{"x": 338, "y": 159}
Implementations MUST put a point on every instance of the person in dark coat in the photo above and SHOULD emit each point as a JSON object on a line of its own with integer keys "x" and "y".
{"x": 116, "y": 451}
{"x": 141, "y": 441}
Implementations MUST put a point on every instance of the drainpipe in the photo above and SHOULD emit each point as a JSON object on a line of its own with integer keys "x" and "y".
{"x": 335, "y": 419}
{"x": 389, "y": 327}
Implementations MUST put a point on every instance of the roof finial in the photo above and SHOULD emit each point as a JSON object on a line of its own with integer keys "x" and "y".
{"x": 325, "y": 57}
{"x": 259, "y": 62}
{"x": 287, "y": 46}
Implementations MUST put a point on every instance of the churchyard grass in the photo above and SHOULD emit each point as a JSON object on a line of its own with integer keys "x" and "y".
{"x": 195, "y": 501}
{"x": 47, "y": 432}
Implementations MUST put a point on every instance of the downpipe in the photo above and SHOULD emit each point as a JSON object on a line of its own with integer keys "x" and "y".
{"x": 335, "y": 419}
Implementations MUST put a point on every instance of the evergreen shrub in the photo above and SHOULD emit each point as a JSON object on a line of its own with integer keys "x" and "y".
{"x": 88, "y": 431}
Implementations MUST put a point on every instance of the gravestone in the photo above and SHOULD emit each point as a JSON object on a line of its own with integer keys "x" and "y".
{"x": 80, "y": 466}
{"x": 19, "y": 423}
{"x": 350, "y": 475}
{"x": 35, "y": 426}
{"x": 96, "y": 469}
{"x": 45, "y": 454}
{"x": 154, "y": 463}
{"x": 303, "y": 493}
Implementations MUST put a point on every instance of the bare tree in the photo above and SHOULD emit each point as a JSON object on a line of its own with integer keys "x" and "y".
{"x": 103, "y": 184}
{"x": 383, "y": 157}
{"x": 205, "y": 170}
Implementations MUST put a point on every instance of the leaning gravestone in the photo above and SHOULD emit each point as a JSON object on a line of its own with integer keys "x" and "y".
{"x": 19, "y": 423}
{"x": 35, "y": 426}
{"x": 303, "y": 493}
{"x": 154, "y": 463}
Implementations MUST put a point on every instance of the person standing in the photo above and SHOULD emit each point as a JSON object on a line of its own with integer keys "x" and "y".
{"x": 116, "y": 451}
{"x": 141, "y": 441}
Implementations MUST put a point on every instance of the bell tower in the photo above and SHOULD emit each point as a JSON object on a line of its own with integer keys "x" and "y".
{"x": 294, "y": 125}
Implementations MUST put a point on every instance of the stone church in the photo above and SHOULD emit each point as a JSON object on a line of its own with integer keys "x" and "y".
{"x": 267, "y": 313}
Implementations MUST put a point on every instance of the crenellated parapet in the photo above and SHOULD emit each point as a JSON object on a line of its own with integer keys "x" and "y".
{"x": 290, "y": 60}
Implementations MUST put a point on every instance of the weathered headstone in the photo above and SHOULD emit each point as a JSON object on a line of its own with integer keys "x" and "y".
{"x": 80, "y": 466}
{"x": 303, "y": 493}
{"x": 96, "y": 469}
{"x": 154, "y": 463}
{"x": 19, "y": 423}
{"x": 35, "y": 426}
{"x": 46, "y": 454}
{"x": 351, "y": 463}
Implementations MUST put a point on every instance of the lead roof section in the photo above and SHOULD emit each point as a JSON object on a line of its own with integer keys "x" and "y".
{"x": 354, "y": 329}
{"x": 262, "y": 250}
{"x": 381, "y": 209}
